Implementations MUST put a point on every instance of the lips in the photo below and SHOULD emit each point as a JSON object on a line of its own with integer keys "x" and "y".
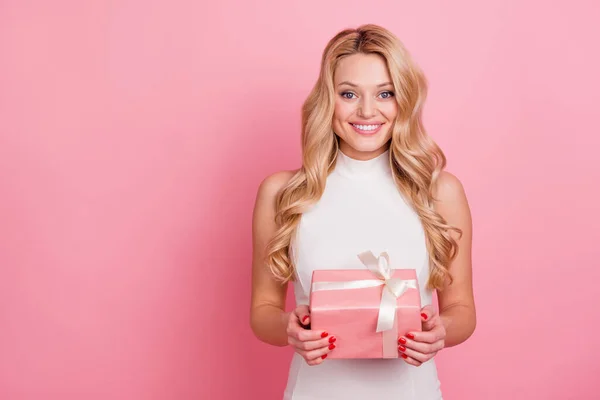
{"x": 366, "y": 129}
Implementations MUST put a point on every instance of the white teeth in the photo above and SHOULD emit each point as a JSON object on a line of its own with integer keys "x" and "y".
{"x": 366, "y": 127}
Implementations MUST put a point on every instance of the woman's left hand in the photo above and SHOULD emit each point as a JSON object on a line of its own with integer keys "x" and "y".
{"x": 418, "y": 347}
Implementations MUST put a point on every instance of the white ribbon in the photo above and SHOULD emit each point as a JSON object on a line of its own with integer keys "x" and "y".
{"x": 393, "y": 288}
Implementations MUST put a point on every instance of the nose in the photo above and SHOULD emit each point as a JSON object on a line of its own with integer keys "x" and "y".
{"x": 367, "y": 108}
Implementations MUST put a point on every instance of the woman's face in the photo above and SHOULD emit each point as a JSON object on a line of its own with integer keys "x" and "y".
{"x": 365, "y": 107}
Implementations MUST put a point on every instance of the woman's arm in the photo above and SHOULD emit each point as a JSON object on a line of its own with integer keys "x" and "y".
{"x": 456, "y": 302}
{"x": 268, "y": 318}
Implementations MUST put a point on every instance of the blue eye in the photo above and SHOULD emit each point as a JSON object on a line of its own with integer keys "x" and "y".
{"x": 347, "y": 95}
{"x": 387, "y": 94}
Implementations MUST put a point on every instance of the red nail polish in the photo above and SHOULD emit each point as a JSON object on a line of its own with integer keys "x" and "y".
{"x": 410, "y": 336}
{"x": 324, "y": 356}
{"x": 324, "y": 334}
{"x": 402, "y": 348}
{"x": 404, "y": 355}
{"x": 402, "y": 340}
{"x": 332, "y": 339}
{"x": 304, "y": 318}
{"x": 424, "y": 316}
{"x": 331, "y": 346}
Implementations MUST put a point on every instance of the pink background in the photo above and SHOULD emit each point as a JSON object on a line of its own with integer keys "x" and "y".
{"x": 134, "y": 134}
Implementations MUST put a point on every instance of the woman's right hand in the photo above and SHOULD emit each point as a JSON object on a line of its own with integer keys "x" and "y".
{"x": 313, "y": 346}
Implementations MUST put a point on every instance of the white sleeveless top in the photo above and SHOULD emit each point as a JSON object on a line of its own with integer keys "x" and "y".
{"x": 361, "y": 209}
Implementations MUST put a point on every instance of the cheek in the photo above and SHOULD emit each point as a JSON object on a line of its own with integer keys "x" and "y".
{"x": 342, "y": 111}
{"x": 390, "y": 111}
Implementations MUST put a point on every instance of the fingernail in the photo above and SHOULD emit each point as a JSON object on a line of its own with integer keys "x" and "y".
{"x": 410, "y": 336}
{"x": 331, "y": 346}
{"x": 304, "y": 318}
{"x": 404, "y": 355}
{"x": 402, "y": 340}
{"x": 402, "y": 348}
{"x": 324, "y": 334}
{"x": 324, "y": 356}
{"x": 332, "y": 339}
{"x": 424, "y": 316}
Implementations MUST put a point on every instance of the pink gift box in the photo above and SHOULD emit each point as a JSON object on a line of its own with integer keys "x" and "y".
{"x": 351, "y": 315}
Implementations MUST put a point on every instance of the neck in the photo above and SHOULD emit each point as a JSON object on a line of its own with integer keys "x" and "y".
{"x": 371, "y": 167}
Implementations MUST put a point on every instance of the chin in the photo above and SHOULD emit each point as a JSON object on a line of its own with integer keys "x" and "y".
{"x": 373, "y": 146}
{"x": 361, "y": 143}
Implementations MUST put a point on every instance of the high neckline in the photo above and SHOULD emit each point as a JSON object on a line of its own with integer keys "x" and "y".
{"x": 351, "y": 167}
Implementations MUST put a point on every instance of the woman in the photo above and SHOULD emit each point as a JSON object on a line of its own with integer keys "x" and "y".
{"x": 371, "y": 179}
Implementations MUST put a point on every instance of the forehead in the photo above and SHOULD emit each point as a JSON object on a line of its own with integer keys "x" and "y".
{"x": 362, "y": 69}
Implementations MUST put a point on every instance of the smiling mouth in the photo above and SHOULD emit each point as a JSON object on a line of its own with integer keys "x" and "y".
{"x": 366, "y": 128}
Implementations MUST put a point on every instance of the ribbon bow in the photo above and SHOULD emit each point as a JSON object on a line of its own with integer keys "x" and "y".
{"x": 380, "y": 267}
{"x": 392, "y": 289}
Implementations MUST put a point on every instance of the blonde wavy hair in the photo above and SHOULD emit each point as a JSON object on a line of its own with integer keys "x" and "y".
{"x": 416, "y": 160}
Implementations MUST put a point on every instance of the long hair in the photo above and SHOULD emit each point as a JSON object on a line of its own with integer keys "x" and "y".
{"x": 416, "y": 160}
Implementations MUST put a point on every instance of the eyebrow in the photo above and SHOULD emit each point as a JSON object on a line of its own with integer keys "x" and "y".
{"x": 355, "y": 85}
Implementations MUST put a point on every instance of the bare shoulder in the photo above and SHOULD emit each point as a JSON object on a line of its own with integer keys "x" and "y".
{"x": 451, "y": 201}
{"x": 449, "y": 189}
{"x": 264, "y": 207}
{"x": 272, "y": 184}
